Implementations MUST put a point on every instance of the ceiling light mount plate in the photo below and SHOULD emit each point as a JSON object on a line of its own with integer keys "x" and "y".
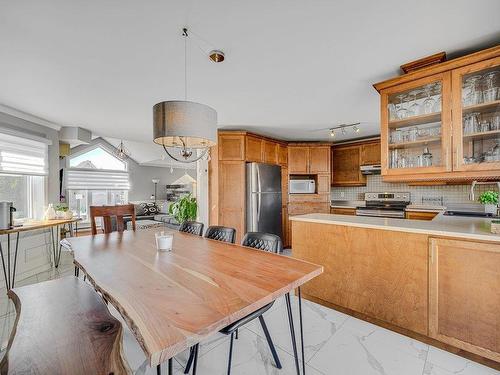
{"x": 217, "y": 56}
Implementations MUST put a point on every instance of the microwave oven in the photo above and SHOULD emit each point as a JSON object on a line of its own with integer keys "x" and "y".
{"x": 302, "y": 187}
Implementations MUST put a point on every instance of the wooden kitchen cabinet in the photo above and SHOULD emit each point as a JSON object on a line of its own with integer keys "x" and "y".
{"x": 254, "y": 149}
{"x": 312, "y": 159}
{"x": 298, "y": 159}
{"x": 378, "y": 273}
{"x": 345, "y": 166}
{"x": 440, "y": 123}
{"x": 286, "y": 227}
{"x": 370, "y": 153}
{"x": 270, "y": 152}
{"x": 420, "y": 215}
{"x": 319, "y": 159}
{"x": 231, "y": 146}
{"x": 282, "y": 155}
{"x": 284, "y": 186}
{"x": 476, "y": 149}
{"x": 323, "y": 184}
{"x": 342, "y": 211}
{"x": 464, "y": 298}
{"x": 232, "y": 196}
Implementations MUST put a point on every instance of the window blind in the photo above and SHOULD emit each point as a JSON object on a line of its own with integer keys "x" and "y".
{"x": 78, "y": 179}
{"x": 23, "y": 156}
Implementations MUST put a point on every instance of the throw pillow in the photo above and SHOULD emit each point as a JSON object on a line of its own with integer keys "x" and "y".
{"x": 149, "y": 208}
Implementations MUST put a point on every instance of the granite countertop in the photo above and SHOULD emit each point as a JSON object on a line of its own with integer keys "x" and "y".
{"x": 441, "y": 225}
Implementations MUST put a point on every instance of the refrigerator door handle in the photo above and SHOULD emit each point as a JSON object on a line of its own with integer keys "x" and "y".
{"x": 259, "y": 189}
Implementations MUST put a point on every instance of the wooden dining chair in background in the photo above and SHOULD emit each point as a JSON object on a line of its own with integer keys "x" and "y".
{"x": 107, "y": 213}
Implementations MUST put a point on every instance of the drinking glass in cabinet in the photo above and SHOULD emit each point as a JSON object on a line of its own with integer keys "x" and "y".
{"x": 472, "y": 87}
{"x": 490, "y": 94}
{"x": 401, "y": 112}
{"x": 471, "y": 123}
{"x": 414, "y": 107}
{"x": 429, "y": 102}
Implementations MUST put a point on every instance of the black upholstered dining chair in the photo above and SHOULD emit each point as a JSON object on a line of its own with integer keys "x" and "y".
{"x": 219, "y": 233}
{"x": 262, "y": 241}
{"x": 192, "y": 227}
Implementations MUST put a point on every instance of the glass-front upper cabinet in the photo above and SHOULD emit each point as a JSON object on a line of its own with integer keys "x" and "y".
{"x": 476, "y": 116}
{"x": 416, "y": 131}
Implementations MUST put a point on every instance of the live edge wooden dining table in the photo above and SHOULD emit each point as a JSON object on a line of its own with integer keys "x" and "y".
{"x": 172, "y": 300}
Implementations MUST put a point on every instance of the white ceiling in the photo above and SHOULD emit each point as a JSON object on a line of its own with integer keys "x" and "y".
{"x": 292, "y": 67}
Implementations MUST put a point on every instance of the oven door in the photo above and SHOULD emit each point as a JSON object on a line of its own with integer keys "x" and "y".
{"x": 380, "y": 212}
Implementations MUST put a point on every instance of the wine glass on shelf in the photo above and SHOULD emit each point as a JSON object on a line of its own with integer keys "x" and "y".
{"x": 429, "y": 102}
{"x": 414, "y": 109}
{"x": 401, "y": 112}
{"x": 475, "y": 95}
{"x": 491, "y": 92}
{"x": 437, "y": 104}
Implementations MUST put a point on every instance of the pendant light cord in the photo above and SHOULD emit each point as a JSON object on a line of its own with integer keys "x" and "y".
{"x": 185, "y": 34}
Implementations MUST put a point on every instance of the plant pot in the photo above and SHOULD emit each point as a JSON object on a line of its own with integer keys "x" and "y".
{"x": 490, "y": 209}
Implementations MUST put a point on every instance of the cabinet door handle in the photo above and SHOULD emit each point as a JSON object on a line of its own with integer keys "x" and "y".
{"x": 455, "y": 157}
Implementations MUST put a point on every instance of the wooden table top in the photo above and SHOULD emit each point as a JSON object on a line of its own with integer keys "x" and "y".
{"x": 38, "y": 224}
{"x": 172, "y": 300}
{"x": 58, "y": 327}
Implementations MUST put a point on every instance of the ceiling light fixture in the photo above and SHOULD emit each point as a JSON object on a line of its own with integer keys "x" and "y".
{"x": 344, "y": 127}
{"x": 121, "y": 152}
{"x": 189, "y": 127}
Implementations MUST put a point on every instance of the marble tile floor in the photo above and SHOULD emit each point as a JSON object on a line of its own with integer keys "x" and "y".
{"x": 335, "y": 344}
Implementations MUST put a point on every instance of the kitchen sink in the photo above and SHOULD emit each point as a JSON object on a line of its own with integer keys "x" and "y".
{"x": 470, "y": 214}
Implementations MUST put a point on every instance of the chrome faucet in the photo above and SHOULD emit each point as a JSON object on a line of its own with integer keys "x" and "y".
{"x": 471, "y": 193}
{"x": 473, "y": 185}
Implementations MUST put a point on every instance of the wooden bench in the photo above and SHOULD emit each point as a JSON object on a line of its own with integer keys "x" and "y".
{"x": 63, "y": 327}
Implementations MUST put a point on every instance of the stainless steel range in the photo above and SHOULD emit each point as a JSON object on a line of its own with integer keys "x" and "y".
{"x": 384, "y": 205}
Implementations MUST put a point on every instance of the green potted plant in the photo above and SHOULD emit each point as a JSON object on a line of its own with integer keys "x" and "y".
{"x": 184, "y": 209}
{"x": 63, "y": 212}
{"x": 490, "y": 201}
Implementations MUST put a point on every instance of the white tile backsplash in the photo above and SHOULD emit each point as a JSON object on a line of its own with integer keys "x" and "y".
{"x": 451, "y": 194}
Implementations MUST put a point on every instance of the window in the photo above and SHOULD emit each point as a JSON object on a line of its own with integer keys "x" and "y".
{"x": 95, "y": 178}
{"x": 23, "y": 166}
{"x": 97, "y": 158}
{"x": 26, "y": 193}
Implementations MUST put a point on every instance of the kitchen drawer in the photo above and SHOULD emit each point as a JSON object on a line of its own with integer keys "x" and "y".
{"x": 309, "y": 198}
{"x": 308, "y": 208}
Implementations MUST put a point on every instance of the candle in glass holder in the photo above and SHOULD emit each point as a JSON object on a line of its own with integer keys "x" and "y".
{"x": 164, "y": 241}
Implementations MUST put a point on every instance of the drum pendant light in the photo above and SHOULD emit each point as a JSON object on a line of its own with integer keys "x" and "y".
{"x": 181, "y": 124}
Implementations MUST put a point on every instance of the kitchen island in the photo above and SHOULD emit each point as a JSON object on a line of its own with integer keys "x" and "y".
{"x": 438, "y": 280}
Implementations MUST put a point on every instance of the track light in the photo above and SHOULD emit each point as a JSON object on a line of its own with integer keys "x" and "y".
{"x": 343, "y": 129}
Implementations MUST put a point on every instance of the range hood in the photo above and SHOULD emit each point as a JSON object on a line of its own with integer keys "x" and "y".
{"x": 370, "y": 169}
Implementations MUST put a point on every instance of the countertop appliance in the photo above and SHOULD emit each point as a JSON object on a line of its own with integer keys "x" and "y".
{"x": 6, "y": 215}
{"x": 384, "y": 205}
{"x": 306, "y": 186}
{"x": 263, "y": 198}
{"x": 370, "y": 169}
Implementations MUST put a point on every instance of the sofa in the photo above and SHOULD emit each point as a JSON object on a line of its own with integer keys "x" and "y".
{"x": 150, "y": 211}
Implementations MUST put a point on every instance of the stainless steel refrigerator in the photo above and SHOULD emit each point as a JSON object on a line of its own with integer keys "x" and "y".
{"x": 263, "y": 201}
